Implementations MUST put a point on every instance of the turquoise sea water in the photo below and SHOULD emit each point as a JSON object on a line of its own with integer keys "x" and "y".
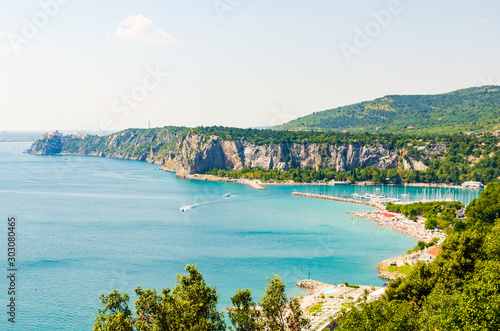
{"x": 86, "y": 226}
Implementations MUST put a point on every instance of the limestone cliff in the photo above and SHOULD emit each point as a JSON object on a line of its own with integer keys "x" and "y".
{"x": 185, "y": 152}
{"x": 196, "y": 156}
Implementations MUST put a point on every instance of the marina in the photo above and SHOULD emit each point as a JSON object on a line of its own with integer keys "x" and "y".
{"x": 382, "y": 194}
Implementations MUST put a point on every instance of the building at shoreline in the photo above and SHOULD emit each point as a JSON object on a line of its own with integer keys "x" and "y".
{"x": 430, "y": 254}
{"x": 473, "y": 185}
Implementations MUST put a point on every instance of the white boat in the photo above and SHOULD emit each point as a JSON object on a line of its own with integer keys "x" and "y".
{"x": 227, "y": 195}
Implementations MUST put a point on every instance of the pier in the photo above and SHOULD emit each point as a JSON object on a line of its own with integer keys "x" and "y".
{"x": 331, "y": 197}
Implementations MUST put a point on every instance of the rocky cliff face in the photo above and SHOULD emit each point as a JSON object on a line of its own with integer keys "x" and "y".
{"x": 196, "y": 156}
{"x": 47, "y": 146}
{"x": 196, "y": 153}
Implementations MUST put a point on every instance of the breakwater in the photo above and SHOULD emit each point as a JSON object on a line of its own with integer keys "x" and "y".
{"x": 331, "y": 197}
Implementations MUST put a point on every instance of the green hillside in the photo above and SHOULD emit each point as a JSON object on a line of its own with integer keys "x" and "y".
{"x": 474, "y": 109}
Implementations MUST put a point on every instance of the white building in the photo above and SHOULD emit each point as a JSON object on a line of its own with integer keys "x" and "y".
{"x": 473, "y": 185}
{"x": 430, "y": 254}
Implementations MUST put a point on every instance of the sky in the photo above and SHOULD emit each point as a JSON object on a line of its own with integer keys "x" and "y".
{"x": 116, "y": 64}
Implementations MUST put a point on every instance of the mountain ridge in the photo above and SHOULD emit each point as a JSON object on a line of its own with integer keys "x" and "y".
{"x": 475, "y": 109}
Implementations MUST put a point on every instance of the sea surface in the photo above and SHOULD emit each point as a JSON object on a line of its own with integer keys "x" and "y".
{"x": 88, "y": 225}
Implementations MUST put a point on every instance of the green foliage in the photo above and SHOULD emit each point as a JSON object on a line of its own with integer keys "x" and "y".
{"x": 316, "y": 308}
{"x": 474, "y": 109}
{"x": 422, "y": 245}
{"x": 115, "y": 315}
{"x": 190, "y": 305}
{"x": 273, "y": 316}
{"x": 400, "y": 270}
{"x": 440, "y": 214}
{"x": 273, "y": 304}
{"x": 244, "y": 315}
{"x": 138, "y": 143}
{"x": 350, "y": 285}
{"x": 486, "y": 209}
{"x": 476, "y": 307}
{"x": 377, "y": 316}
{"x": 295, "y": 320}
{"x": 459, "y": 290}
{"x": 452, "y": 165}
{"x": 431, "y": 223}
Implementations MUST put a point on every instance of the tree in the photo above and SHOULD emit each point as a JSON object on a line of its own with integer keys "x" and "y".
{"x": 295, "y": 320}
{"x": 115, "y": 315}
{"x": 195, "y": 303}
{"x": 273, "y": 304}
{"x": 244, "y": 315}
{"x": 191, "y": 305}
{"x": 380, "y": 316}
{"x": 476, "y": 307}
{"x": 485, "y": 209}
{"x": 276, "y": 313}
{"x": 431, "y": 223}
{"x": 459, "y": 290}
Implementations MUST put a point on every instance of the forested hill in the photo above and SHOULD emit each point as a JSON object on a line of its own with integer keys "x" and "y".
{"x": 474, "y": 109}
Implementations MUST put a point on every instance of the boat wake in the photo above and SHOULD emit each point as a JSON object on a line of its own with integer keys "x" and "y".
{"x": 196, "y": 205}
{"x": 224, "y": 199}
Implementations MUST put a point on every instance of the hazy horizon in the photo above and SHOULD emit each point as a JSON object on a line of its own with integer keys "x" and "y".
{"x": 84, "y": 66}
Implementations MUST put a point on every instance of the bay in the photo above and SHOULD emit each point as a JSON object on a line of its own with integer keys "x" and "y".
{"x": 87, "y": 226}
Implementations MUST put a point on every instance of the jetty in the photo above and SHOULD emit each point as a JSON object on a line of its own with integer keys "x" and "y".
{"x": 331, "y": 197}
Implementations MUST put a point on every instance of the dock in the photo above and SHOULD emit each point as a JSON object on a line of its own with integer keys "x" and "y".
{"x": 331, "y": 197}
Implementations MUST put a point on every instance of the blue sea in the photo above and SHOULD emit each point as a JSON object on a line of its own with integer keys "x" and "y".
{"x": 88, "y": 225}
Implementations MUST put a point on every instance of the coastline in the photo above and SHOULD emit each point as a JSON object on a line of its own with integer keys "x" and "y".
{"x": 331, "y": 300}
{"x": 256, "y": 184}
{"x": 394, "y": 221}
{"x": 259, "y": 183}
{"x": 400, "y": 223}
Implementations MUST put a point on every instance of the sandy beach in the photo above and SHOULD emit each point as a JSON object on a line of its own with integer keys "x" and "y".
{"x": 394, "y": 221}
{"x": 256, "y": 184}
{"x": 401, "y": 223}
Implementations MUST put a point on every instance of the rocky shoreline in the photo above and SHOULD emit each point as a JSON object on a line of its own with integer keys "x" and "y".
{"x": 311, "y": 284}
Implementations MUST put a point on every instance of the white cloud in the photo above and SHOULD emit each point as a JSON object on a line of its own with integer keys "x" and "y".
{"x": 140, "y": 27}
{"x": 3, "y": 33}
